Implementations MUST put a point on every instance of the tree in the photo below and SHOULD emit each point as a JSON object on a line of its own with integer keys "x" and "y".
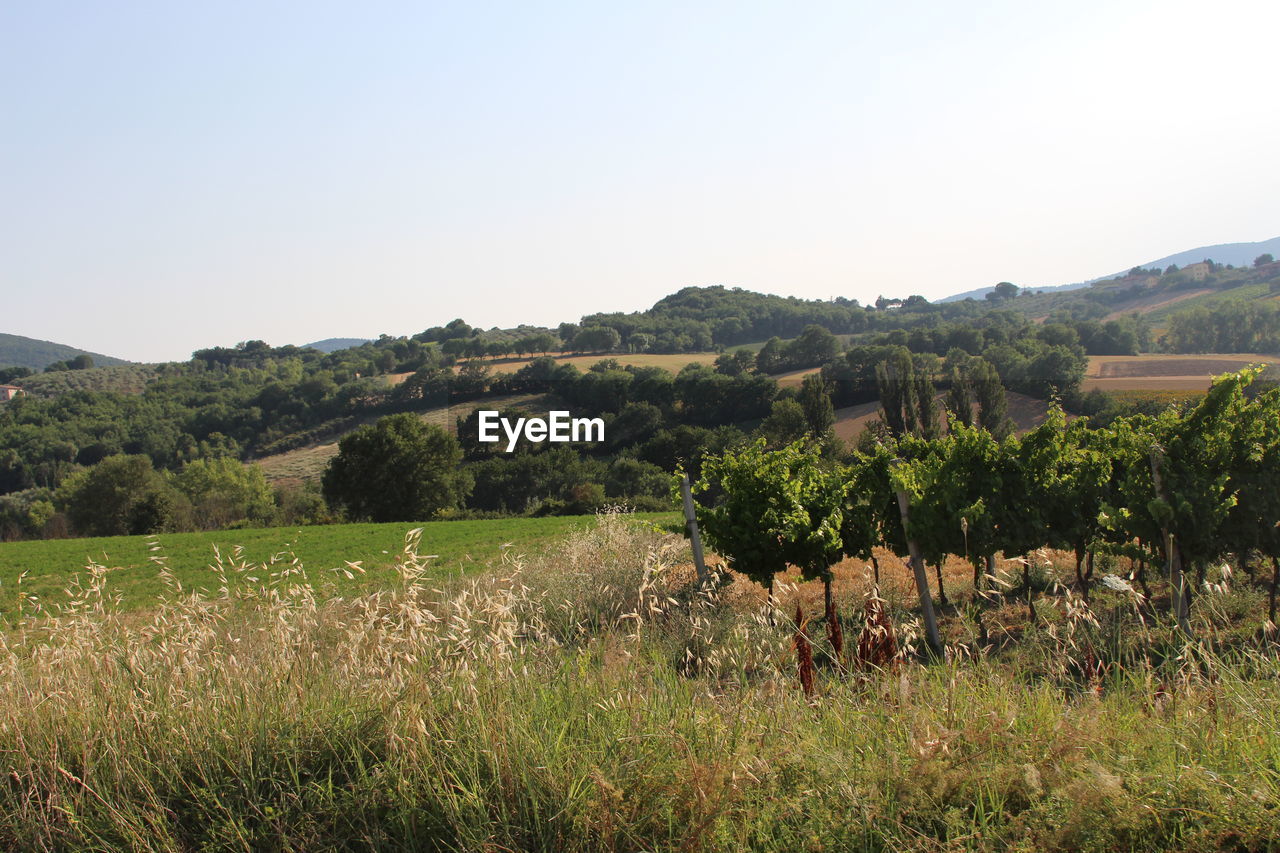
{"x": 636, "y": 481}
{"x": 1002, "y": 292}
{"x": 9, "y": 374}
{"x": 736, "y": 362}
{"x": 960, "y": 397}
{"x": 993, "y": 405}
{"x": 399, "y": 469}
{"x": 786, "y": 423}
{"x": 545, "y": 482}
{"x": 597, "y": 339}
{"x": 1264, "y": 259}
{"x": 222, "y": 491}
{"x": 769, "y": 359}
{"x": 121, "y": 495}
{"x": 895, "y": 385}
{"x": 1065, "y": 477}
{"x": 906, "y": 395}
{"x": 816, "y": 402}
{"x": 813, "y": 347}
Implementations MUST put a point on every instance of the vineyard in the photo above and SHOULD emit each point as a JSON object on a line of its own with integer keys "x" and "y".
{"x": 1189, "y": 491}
{"x": 1106, "y": 682}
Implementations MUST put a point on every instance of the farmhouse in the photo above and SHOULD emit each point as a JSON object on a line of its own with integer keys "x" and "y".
{"x": 8, "y": 392}
{"x": 1197, "y": 272}
{"x": 1142, "y": 279}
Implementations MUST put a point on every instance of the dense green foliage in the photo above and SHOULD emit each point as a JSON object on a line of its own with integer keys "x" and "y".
{"x": 398, "y": 469}
{"x": 120, "y": 378}
{"x": 1232, "y": 326}
{"x": 776, "y": 508}
{"x": 1165, "y": 490}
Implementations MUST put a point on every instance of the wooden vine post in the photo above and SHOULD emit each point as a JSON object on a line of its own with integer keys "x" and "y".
{"x": 922, "y": 578}
{"x": 1177, "y": 580}
{"x": 691, "y": 522}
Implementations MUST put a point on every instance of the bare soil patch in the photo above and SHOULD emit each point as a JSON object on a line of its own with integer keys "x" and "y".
{"x": 1168, "y": 367}
{"x": 1166, "y": 372}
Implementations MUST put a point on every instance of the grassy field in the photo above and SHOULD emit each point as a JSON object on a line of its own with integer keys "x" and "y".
{"x": 321, "y": 552}
{"x": 673, "y": 362}
{"x": 594, "y": 701}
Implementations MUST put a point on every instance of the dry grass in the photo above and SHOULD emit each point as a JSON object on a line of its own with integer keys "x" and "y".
{"x": 593, "y": 700}
{"x": 794, "y": 378}
{"x": 1026, "y": 413}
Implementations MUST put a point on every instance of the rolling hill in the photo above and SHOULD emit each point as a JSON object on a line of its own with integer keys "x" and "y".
{"x": 334, "y": 344}
{"x": 1235, "y": 254}
{"x": 17, "y": 351}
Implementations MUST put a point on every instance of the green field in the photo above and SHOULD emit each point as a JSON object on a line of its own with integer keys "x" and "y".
{"x": 322, "y": 552}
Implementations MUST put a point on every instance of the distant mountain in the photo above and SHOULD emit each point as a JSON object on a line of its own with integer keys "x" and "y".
{"x": 1236, "y": 254}
{"x": 335, "y": 344}
{"x": 17, "y": 351}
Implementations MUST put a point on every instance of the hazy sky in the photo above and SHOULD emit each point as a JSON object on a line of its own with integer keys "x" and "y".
{"x": 179, "y": 175}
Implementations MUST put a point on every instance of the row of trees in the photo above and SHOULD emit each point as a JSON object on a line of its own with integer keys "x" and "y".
{"x": 125, "y": 494}
{"x": 1233, "y": 326}
{"x": 1183, "y": 491}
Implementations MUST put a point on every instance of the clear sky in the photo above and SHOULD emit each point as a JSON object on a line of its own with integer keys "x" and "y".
{"x": 181, "y": 175}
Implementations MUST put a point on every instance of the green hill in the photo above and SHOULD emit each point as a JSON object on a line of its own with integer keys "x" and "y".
{"x": 334, "y": 344}
{"x": 17, "y": 351}
{"x": 1234, "y": 254}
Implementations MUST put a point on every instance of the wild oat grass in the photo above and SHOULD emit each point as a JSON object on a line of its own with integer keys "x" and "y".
{"x": 594, "y": 700}
{"x": 47, "y": 566}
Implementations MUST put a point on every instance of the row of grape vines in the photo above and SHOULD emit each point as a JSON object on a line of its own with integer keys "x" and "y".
{"x": 1189, "y": 489}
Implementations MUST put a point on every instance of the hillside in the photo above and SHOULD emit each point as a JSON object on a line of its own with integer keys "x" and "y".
{"x": 329, "y": 345}
{"x": 698, "y": 372}
{"x": 1185, "y": 299}
{"x": 118, "y": 378}
{"x": 307, "y": 463}
{"x": 981, "y": 292}
{"x": 18, "y": 351}
{"x": 1235, "y": 254}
